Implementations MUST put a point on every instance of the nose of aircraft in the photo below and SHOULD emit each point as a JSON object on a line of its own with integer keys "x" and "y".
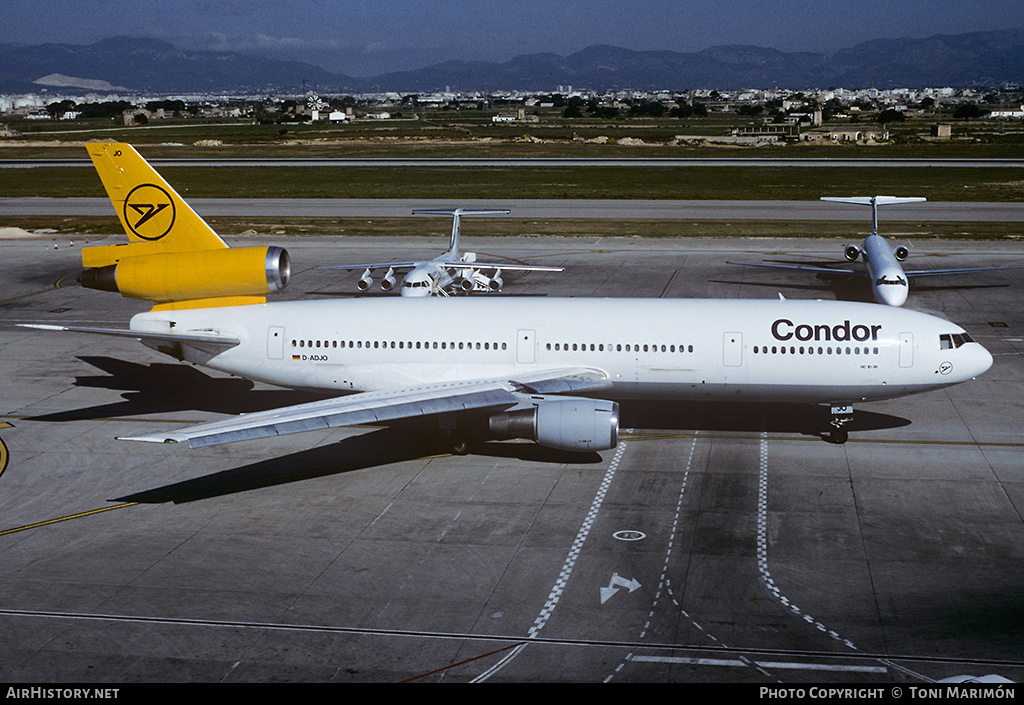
{"x": 892, "y": 295}
{"x": 971, "y": 361}
{"x": 415, "y": 286}
{"x": 981, "y": 359}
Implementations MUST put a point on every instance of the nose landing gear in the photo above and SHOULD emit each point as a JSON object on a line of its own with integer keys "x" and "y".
{"x": 841, "y": 414}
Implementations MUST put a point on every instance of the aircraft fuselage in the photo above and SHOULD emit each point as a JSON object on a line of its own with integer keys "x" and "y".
{"x": 752, "y": 350}
{"x": 888, "y": 280}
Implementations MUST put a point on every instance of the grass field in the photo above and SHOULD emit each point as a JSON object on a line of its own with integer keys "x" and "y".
{"x": 605, "y": 182}
{"x": 845, "y": 231}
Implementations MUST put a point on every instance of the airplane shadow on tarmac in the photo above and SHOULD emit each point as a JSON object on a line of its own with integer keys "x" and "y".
{"x": 169, "y": 387}
{"x": 411, "y": 439}
{"x": 740, "y": 417}
{"x": 396, "y": 443}
{"x": 164, "y": 388}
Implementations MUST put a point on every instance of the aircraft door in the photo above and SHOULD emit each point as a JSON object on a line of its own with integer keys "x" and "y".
{"x": 275, "y": 343}
{"x": 525, "y": 346}
{"x": 906, "y": 349}
{"x": 732, "y": 355}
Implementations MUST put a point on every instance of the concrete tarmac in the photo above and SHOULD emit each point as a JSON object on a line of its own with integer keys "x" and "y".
{"x": 717, "y": 543}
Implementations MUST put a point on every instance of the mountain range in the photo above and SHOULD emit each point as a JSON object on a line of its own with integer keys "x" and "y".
{"x": 147, "y": 65}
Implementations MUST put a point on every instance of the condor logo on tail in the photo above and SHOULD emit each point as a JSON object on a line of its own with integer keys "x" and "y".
{"x": 173, "y": 257}
{"x": 149, "y": 211}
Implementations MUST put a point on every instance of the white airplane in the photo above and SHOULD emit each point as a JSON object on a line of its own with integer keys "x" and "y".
{"x": 447, "y": 273}
{"x": 889, "y": 281}
{"x": 551, "y": 370}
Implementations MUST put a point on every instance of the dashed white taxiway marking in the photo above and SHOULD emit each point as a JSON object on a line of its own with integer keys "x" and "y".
{"x": 570, "y": 563}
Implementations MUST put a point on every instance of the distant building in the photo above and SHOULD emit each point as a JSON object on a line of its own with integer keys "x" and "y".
{"x": 1012, "y": 114}
{"x": 520, "y": 116}
{"x": 128, "y": 117}
{"x": 845, "y": 133}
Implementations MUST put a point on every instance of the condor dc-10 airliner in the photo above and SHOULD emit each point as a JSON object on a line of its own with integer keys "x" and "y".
{"x": 550, "y": 370}
{"x": 448, "y": 273}
{"x": 889, "y": 281}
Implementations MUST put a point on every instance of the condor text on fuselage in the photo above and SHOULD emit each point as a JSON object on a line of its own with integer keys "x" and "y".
{"x": 784, "y": 329}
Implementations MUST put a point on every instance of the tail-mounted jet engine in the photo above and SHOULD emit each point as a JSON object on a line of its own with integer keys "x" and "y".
{"x": 900, "y": 252}
{"x": 182, "y": 276}
{"x": 852, "y": 252}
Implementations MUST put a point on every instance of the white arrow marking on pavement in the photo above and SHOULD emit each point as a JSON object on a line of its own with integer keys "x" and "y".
{"x": 607, "y": 592}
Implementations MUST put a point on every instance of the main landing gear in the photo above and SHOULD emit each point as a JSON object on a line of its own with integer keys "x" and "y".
{"x": 841, "y": 415}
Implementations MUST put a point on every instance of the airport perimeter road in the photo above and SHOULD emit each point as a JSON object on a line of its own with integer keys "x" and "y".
{"x": 534, "y": 162}
{"x": 716, "y": 543}
{"x": 542, "y": 208}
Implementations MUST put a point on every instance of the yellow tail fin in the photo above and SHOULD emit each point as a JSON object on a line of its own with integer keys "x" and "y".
{"x": 149, "y": 209}
{"x": 173, "y": 258}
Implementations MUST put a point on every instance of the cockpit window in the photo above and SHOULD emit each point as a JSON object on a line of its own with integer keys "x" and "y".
{"x": 898, "y": 281}
{"x": 948, "y": 341}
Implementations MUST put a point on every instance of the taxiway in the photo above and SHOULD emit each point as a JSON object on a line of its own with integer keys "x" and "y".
{"x": 717, "y": 543}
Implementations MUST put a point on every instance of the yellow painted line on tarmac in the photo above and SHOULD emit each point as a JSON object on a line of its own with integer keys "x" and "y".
{"x": 67, "y": 519}
{"x": 5, "y": 455}
{"x": 56, "y": 286}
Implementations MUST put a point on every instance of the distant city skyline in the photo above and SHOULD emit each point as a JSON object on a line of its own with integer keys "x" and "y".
{"x": 380, "y": 36}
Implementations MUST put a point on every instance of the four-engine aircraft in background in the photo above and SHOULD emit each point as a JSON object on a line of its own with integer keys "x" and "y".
{"x": 552, "y": 370}
{"x": 448, "y": 273}
{"x": 888, "y": 279}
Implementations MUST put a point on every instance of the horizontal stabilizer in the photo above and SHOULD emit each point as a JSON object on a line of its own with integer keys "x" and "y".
{"x": 193, "y": 338}
{"x": 875, "y": 200}
{"x": 461, "y": 211}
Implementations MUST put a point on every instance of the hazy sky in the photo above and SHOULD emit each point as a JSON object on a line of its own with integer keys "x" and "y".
{"x": 363, "y": 37}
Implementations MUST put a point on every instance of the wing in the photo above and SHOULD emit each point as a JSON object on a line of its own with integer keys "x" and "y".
{"x": 387, "y": 405}
{"x": 193, "y": 338}
{"x": 815, "y": 270}
{"x": 937, "y": 272}
{"x": 378, "y": 265}
{"x": 459, "y": 264}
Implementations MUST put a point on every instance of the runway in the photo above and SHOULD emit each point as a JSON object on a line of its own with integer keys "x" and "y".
{"x": 533, "y": 162}
{"x": 958, "y": 211}
{"x": 716, "y": 543}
